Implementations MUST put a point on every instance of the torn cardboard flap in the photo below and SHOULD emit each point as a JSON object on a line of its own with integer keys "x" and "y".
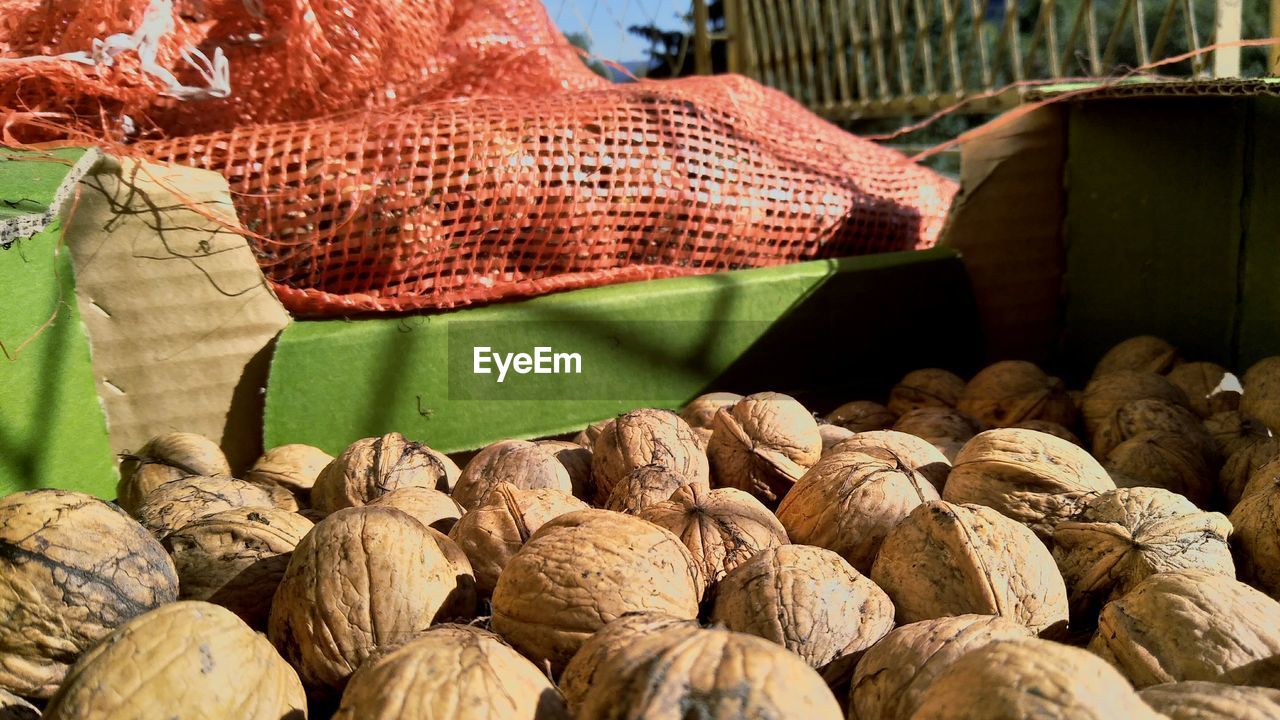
{"x": 179, "y": 316}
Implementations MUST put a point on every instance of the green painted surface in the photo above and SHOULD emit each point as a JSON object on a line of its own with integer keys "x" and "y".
{"x": 1259, "y": 332}
{"x": 826, "y": 331}
{"x": 1154, "y": 229}
{"x": 52, "y": 428}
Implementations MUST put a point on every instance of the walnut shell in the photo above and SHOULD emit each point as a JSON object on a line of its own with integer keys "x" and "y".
{"x": 763, "y": 445}
{"x": 1208, "y": 386}
{"x": 948, "y": 559}
{"x": 362, "y": 578}
{"x": 236, "y": 558}
{"x": 375, "y": 466}
{"x": 579, "y": 674}
{"x": 1106, "y": 394}
{"x": 293, "y": 467}
{"x": 1031, "y": 678}
{"x": 72, "y": 569}
{"x": 429, "y": 507}
{"x": 453, "y": 671}
{"x": 862, "y": 416}
{"x": 850, "y": 501}
{"x": 1032, "y": 477}
{"x": 1240, "y": 467}
{"x": 895, "y": 672}
{"x": 492, "y": 533}
{"x": 1124, "y": 536}
{"x": 1261, "y": 398}
{"x": 947, "y": 429}
{"x": 1012, "y": 391}
{"x": 13, "y": 707}
{"x": 710, "y": 674}
{"x": 165, "y": 458}
{"x": 1233, "y": 431}
{"x": 1151, "y": 415}
{"x": 645, "y": 437}
{"x": 587, "y": 438}
{"x": 584, "y": 569}
{"x": 700, "y": 413}
{"x": 1050, "y": 428}
{"x": 722, "y": 528}
{"x": 1143, "y": 352}
{"x": 176, "y": 503}
{"x": 832, "y": 435}
{"x": 1256, "y": 520}
{"x": 1170, "y": 461}
{"x": 577, "y": 460}
{"x": 522, "y": 463}
{"x": 808, "y": 600}
{"x": 915, "y": 453}
{"x": 188, "y": 659}
{"x": 646, "y": 486}
{"x": 930, "y": 387}
{"x": 1199, "y": 700}
{"x": 1192, "y": 625}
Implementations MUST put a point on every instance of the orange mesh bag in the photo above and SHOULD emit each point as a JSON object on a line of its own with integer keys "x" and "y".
{"x": 411, "y": 154}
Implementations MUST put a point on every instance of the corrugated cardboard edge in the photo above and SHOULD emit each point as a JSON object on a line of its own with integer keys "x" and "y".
{"x": 180, "y": 318}
{"x": 28, "y": 225}
{"x": 1145, "y": 87}
{"x": 1006, "y": 223}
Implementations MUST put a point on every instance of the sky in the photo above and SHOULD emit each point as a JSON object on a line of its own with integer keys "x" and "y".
{"x": 605, "y": 22}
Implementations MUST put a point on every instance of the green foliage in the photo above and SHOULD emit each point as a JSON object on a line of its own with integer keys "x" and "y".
{"x": 582, "y": 42}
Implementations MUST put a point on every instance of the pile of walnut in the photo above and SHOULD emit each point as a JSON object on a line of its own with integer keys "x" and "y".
{"x": 956, "y": 552}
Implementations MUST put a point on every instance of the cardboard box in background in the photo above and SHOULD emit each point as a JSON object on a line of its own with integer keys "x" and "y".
{"x": 131, "y": 309}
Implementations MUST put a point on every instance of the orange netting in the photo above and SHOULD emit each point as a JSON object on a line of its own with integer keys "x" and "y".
{"x": 408, "y": 154}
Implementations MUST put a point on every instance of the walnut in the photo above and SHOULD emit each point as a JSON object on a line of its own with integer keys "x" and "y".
{"x": 429, "y": 507}
{"x": 176, "y": 503}
{"x": 185, "y": 659}
{"x": 947, "y": 429}
{"x": 1257, "y": 531}
{"x": 584, "y": 569}
{"x": 452, "y": 671}
{"x": 763, "y": 445}
{"x": 1030, "y": 678}
{"x": 587, "y": 438}
{"x": 1261, "y": 398}
{"x": 492, "y": 533}
{"x": 807, "y": 599}
{"x": 1012, "y": 391}
{"x": 1233, "y": 431}
{"x": 1191, "y": 624}
{"x": 522, "y": 463}
{"x": 1106, "y": 394}
{"x": 1050, "y": 428}
{"x": 363, "y": 578}
{"x": 579, "y": 674}
{"x": 930, "y": 387}
{"x": 1124, "y": 536}
{"x": 577, "y": 460}
{"x": 72, "y": 569}
{"x": 700, "y": 413}
{"x": 1208, "y": 386}
{"x": 1170, "y": 461}
{"x": 13, "y": 707}
{"x": 712, "y": 674}
{"x": 235, "y": 558}
{"x": 1032, "y": 477}
{"x": 646, "y": 486}
{"x": 292, "y": 467}
{"x": 375, "y": 466}
{"x": 1199, "y": 700}
{"x": 891, "y": 677}
{"x": 947, "y": 559}
{"x": 1144, "y": 352}
{"x": 1151, "y": 415}
{"x": 722, "y": 528}
{"x": 832, "y": 435}
{"x": 645, "y": 437}
{"x": 862, "y": 415}
{"x": 165, "y": 458}
{"x": 850, "y": 500}
{"x": 1241, "y": 465}
{"x": 916, "y": 453}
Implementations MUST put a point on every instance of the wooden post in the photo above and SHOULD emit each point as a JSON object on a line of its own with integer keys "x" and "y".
{"x": 1226, "y": 61}
{"x": 735, "y": 35}
{"x": 701, "y": 38}
{"x": 1273, "y": 52}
